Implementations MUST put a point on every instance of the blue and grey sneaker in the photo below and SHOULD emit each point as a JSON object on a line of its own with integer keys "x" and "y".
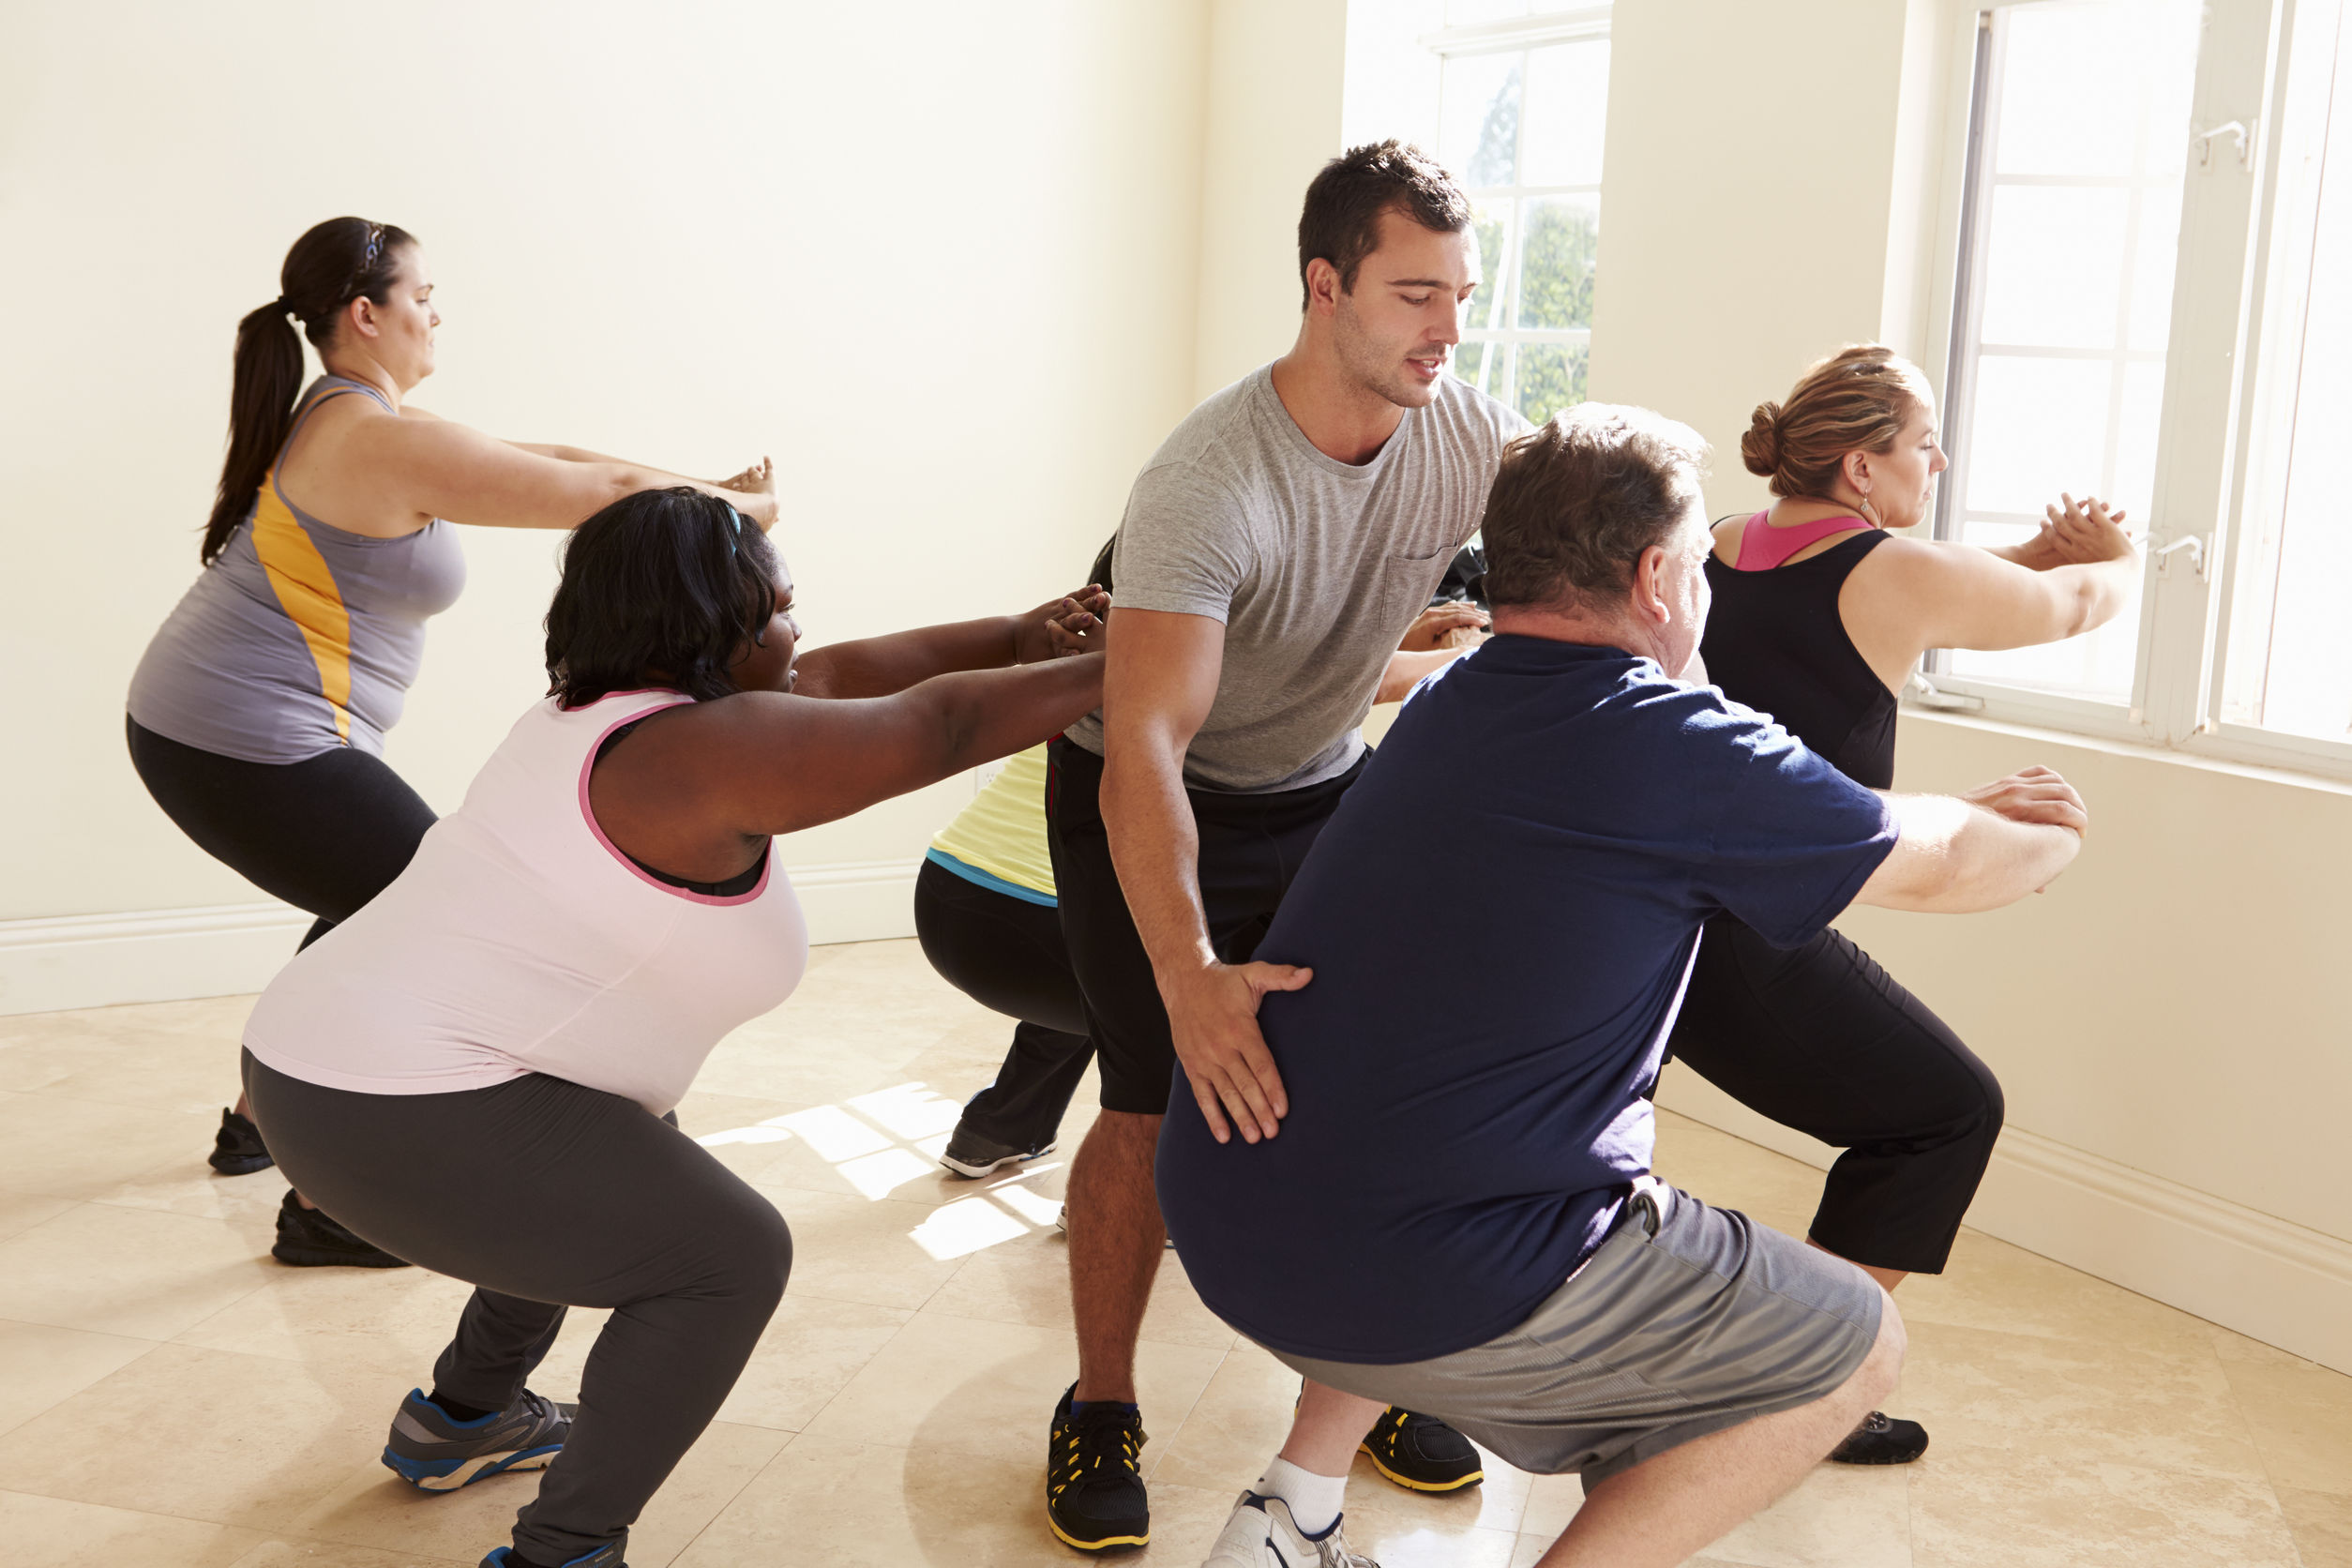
{"x": 430, "y": 1451}
{"x": 606, "y": 1556}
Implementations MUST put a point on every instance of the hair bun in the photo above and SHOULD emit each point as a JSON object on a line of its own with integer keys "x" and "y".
{"x": 1759, "y": 449}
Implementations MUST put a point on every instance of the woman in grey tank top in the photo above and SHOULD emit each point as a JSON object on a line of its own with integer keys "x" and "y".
{"x": 257, "y": 716}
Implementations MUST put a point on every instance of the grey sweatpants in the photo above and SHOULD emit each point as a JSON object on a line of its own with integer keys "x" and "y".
{"x": 545, "y": 1193}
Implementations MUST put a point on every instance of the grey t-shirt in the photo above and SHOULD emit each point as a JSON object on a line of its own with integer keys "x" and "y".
{"x": 1315, "y": 566}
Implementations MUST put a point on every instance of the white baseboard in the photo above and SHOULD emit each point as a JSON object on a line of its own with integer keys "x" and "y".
{"x": 99, "y": 960}
{"x": 2248, "y": 1271}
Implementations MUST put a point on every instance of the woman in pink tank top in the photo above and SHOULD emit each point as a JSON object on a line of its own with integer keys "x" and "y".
{"x": 474, "y": 1070}
{"x": 1818, "y": 617}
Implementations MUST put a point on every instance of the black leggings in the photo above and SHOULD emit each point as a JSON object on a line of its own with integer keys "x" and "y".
{"x": 326, "y": 833}
{"x": 545, "y": 1193}
{"x": 1008, "y": 954}
{"x": 1820, "y": 1038}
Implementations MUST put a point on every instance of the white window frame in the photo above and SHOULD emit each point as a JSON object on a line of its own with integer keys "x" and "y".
{"x": 2238, "y": 301}
{"x": 1513, "y": 35}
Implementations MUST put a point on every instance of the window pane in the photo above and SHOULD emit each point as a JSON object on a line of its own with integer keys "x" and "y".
{"x": 1469, "y": 361}
{"x": 1550, "y": 377}
{"x": 2295, "y": 673}
{"x": 2040, "y": 426}
{"x": 2082, "y": 214}
{"x": 1492, "y": 224}
{"x": 1567, "y": 107}
{"x": 2143, "y": 55}
{"x": 1478, "y": 119}
{"x": 2053, "y": 266}
{"x": 1555, "y": 282}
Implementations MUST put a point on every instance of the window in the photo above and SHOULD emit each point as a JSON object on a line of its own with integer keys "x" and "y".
{"x": 2075, "y": 209}
{"x": 2289, "y": 654}
{"x": 2150, "y": 280}
{"x": 1523, "y": 97}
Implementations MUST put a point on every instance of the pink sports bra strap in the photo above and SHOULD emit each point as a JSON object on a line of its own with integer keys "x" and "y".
{"x": 1763, "y": 547}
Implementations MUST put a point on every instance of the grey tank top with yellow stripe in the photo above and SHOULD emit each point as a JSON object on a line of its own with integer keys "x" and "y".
{"x": 298, "y": 638}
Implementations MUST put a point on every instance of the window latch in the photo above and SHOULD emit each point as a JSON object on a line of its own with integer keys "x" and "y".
{"x": 2203, "y": 142}
{"x": 2200, "y": 558}
{"x": 1928, "y": 695}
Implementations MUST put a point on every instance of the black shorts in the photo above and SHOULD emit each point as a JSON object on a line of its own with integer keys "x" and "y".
{"x": 1251, "y": 848}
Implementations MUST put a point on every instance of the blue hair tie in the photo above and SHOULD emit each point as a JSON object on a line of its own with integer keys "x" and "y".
{"x": 734, "y": 539}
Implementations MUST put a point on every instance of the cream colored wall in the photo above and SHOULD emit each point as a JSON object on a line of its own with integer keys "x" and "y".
{"x": 1274, "y": 106}
{"x": 2174, "y": 1003}
{"x": 939, "y": 259}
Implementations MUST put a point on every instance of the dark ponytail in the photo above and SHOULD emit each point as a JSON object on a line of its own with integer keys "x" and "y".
{"x": 329, "y": 266}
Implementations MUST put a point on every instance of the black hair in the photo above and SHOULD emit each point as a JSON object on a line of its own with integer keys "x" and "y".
{"x": 1340, "y": 222}
{"x": 664, "y": 586}
{"x": 333, "y": 263}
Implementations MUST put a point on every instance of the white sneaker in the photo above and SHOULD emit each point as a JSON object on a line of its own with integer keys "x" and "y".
{"x": 1260, "y": 1534}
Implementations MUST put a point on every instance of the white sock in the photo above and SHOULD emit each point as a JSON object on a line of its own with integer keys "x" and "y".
{"x": 1314, "y": 1500}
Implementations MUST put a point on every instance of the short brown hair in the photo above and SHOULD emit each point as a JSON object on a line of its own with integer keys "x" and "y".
{"x": 1341, "y": 220}
{"x": 1857, "y": 399}
{"x": 1577, "y": 500}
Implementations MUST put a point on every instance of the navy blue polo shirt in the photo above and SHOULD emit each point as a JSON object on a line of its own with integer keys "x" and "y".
{"x": 1500, "y": 916}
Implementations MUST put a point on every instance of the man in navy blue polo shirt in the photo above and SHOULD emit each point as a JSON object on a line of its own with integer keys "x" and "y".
{"x": 1458, "y": 1215}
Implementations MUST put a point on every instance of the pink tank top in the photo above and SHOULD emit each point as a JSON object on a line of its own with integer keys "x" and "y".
{"x": 1763, "y": 547}
{"x": 521, "y": 941}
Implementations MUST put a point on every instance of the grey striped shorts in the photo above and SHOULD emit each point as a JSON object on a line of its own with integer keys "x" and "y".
{"x": 1687, "y": 1320}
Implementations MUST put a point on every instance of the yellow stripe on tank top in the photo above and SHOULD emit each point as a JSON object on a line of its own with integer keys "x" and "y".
{"x": 307, "y": 592}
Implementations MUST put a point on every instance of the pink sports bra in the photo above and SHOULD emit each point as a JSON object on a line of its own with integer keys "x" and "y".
{"x": 1763, "y": 547}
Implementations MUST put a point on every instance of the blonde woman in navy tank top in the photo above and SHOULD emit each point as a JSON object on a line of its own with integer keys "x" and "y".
{"x": 1818, "y": 617}
{"x": 257, "y": 716}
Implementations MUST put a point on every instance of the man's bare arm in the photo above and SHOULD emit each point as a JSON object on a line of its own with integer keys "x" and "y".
{"x": 1962, "y": 855}
{"x": 1160, "y": 680}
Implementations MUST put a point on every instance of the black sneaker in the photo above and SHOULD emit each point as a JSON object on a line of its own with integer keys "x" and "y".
{"x": 970, "y": 1154}
{"x": 237, "y": 1148}
{"x": 1881, "y": 1440}
{"x": 1094, "y": 1497}
{"x": 308, "y": 1238}
{"x": 1422, "y": 1453}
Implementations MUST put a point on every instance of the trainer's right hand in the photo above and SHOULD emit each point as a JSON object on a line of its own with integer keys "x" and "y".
{"x": 1213, "y": 1014}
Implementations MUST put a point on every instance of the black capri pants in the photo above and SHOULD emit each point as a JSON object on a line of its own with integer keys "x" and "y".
{"x": 1006, "y": 954}
{"x": 1820, "y": 1038}
{"x": 326, "y": 833}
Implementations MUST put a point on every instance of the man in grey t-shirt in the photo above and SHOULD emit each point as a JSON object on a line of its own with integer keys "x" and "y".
{"x": 1272, "y": 553}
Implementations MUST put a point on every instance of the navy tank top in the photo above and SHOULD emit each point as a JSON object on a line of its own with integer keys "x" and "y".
{"x": 1775, "y": 642}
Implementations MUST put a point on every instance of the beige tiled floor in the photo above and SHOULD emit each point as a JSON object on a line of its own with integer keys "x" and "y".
{"x": 168, "y": 1396}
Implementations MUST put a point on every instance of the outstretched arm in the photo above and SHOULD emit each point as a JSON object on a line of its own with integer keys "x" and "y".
{"x": 1923, "y": 594}
{"x": 878, "y": 665}
{"x": 1959, "y": 854}
{"x": 447, "y": 470}
{"x": 707, "y": 779}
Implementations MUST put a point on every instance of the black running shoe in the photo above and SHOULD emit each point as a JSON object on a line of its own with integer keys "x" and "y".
{"x": 1881, "y": 1440}
{"x": 1094, "y": 1497}
{"x": 1422, "y": 1453}
{"x": 307, "y": 1239}
{"x": 237, "y": 1148}
{"x": 971, "y": 1155}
